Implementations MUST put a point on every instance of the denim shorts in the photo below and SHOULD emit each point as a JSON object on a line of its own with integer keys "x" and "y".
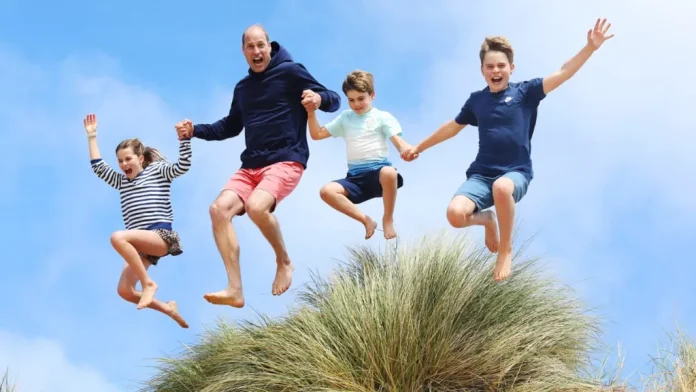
{"x": 479, "y": 189}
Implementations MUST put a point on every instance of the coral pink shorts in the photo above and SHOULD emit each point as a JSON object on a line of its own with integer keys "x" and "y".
{"x": 278, "y": 179}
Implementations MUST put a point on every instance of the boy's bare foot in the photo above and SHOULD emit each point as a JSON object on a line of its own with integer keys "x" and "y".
{"x": 148, "y": 294}
{"x": 228, "y": 296}
{"x": 388, "y": 226}
{"x": 283, "y": 277}
{"x": 491, "y": 225}
{"x": 174, "y": 314}
{"x": 503, "y": 266}
{"x": 370, "y": 228}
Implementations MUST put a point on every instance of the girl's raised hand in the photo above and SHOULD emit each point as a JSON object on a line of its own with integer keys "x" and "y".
{"x": 90, "y": 122}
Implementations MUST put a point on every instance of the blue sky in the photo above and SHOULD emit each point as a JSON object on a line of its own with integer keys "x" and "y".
{"x": 611, "y": 204}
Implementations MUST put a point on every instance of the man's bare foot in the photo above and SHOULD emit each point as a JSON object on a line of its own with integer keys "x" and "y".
{"x": 388, "y": 226}
{"x": 370, "y": 228}
{"x": 283, "y": 277}
{"x": 503, "y": 266}
{"x": 174, "y": 314}
{"x": 148, "y": 294}
{"x": 228, "y": 296}
{"x": 491, "y": 225}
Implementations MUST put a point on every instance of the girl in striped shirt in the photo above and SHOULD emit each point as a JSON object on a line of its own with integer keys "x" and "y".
{"x": 147, "y": 213}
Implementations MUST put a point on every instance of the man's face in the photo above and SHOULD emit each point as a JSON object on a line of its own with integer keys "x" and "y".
{"x": 257, "y": 50}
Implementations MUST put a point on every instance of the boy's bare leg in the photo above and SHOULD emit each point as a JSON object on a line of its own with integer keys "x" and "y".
{"x": 126, "y": 289}
{"x": 505, "y": 206}
{"x": 460, "y": 214}
{"x": 226, "y": 206}
{"x": 388, "y": 179}
{"x": 336, "y": 196}
{"x": 259, "y": 209}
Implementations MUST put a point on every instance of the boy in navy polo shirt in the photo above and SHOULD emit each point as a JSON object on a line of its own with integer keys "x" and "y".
{"x": 505, "y": 114}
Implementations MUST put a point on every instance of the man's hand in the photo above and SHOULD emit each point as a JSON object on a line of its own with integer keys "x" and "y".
{"x": 311, "y": 100}
{"x": 597, "y": 36}
{"x": 409, "y": 154}
{"x": 184, "y": 129}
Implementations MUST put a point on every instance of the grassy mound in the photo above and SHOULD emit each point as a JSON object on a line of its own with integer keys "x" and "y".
{"x": 423, "y": 318}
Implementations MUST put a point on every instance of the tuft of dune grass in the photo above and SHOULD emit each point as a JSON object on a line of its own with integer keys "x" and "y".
{"x": 427, "y": 317}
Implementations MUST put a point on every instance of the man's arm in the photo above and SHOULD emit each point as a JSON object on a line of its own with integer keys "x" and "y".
{"x": 329, "y": 101}
{"x": 316, "y": 131}
{"x": 225, "y": 128}
{"x": 595, "y": 38}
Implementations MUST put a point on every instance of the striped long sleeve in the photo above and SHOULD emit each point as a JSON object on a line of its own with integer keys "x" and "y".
{"x": 170, "y": 171}
{"x": 106, "y": 173}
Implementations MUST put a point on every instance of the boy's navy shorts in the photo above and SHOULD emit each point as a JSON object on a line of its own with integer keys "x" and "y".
{"x": 365, "y": 186}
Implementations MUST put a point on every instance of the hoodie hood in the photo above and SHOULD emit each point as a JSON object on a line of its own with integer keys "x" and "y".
{"x": 279, "y": 55}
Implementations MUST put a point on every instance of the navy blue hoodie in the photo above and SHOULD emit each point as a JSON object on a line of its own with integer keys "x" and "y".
{"x": 267, "y": 105}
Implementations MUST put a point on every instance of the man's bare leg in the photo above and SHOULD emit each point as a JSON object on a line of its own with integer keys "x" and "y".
{"x": 460, "y": 214}
{"x": 224, "y": 208}
{"x": 259, "y": 209}
{"x": 336, "y": 196}
{"x": 505, "y": 206}
{"x": 126, "y": 289}
{"x": 388, "y": 178}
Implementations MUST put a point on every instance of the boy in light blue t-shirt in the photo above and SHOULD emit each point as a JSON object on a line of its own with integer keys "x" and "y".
{"x": 370, "y": 173}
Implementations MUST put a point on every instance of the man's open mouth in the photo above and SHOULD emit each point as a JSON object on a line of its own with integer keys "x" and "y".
{"x": 257, "y": 60}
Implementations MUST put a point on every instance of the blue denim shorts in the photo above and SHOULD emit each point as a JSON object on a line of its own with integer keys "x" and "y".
{"x": 479, "y": 189}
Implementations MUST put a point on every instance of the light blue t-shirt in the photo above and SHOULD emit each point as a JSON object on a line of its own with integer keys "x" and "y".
{"x": 366, "y": 137}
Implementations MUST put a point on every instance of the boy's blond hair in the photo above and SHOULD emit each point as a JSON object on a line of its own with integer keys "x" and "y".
{"x": 496, "y": 43}
{"x": 360, "y": 81}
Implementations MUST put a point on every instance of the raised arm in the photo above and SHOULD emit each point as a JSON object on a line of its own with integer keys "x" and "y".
{"x": 316, "y": 131}
{"x": 325, "y": 100}
{"x": 99, "y": 166}
{"x": 595, "y": 39}
{"x": 170, "y": 171}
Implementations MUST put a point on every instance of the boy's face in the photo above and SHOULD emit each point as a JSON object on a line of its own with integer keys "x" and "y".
{"x": 496, "y": 69}
{"x": 360, "y": 102}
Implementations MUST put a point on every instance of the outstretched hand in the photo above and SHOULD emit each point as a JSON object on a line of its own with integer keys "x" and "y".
{"x": 410, "y": 154}
{"x": 311, "y": 100}
{"x": 90, "y": 122}
{"x": 597, "y": 36}
{"x": 184, "y": 129}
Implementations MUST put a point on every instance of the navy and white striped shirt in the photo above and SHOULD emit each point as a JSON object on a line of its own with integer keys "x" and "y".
{"x": 145, "y": 200}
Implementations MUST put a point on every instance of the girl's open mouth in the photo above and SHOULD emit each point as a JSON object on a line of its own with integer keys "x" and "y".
{"x": 128, "y": 171}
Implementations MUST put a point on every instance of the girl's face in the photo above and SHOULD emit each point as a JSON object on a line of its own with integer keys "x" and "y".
{"x": 130, "y": 164}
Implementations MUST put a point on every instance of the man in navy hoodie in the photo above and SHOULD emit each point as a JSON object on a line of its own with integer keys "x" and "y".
{"x": 270, "y": 104}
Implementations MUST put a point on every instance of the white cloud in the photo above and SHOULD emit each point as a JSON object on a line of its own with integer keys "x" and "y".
{"x": 42, "y": 365}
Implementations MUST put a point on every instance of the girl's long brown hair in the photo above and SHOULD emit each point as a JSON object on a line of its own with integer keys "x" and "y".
{"x": 148, "y": 153}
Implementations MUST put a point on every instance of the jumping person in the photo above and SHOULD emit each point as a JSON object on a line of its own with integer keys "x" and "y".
{"x": 147, "y": 213}
{"x": 270, "y": 104}
{"x": 505, "y": 113}
{"x": 365, "y": 130}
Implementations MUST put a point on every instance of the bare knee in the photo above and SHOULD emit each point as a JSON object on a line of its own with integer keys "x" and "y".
{"x": 118, "y": 237}
{"x": 459, "y": 211}
{"x": 222, "y": 210}
{"x": 256, "y": 210}
{"x": 503, "y": 187}
{"x": 328, "y": 191}
{"x": 387, "y": 175}
{"x": 126, "y": 292}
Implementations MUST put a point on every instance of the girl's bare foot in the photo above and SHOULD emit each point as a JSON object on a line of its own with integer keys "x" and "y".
{"x": 228, "y": 296}
{"x": 388, "y": 226}
{"x": 503, "y": 266}
{"x": 174, "y": 314}
{"x": 148, "y": 294}
{"x": 370, "y": 228}
{"x": 492, "y": 240}
{"x": 283, "y": 277}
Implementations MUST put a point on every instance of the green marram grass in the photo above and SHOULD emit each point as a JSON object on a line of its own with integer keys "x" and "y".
{"x": 427, "y": 317}
{"x": 5, "y": 385}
